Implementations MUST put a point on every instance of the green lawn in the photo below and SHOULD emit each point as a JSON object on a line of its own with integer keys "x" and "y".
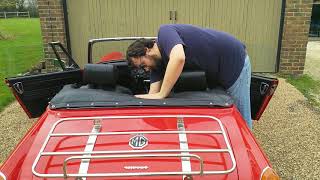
{"x": 21, "y": 50}
{"x": 308, "y": 86}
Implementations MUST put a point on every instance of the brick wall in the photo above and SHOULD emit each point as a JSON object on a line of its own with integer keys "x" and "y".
{"x": 295, "y": 36}
{"x": 52, "y": 25}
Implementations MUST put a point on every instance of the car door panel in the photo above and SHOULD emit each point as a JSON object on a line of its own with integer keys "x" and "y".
{"x": 262, "y": 89}
{"x": 35, "y": 91}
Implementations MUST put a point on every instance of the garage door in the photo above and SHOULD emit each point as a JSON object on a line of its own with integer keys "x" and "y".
{"x": 255, "y": 22}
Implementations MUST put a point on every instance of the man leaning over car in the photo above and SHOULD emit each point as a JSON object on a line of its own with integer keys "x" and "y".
{"x": 219, "y": 54}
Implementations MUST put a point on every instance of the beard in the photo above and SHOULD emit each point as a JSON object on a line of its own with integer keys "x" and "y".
{"x": 156, "y": 62}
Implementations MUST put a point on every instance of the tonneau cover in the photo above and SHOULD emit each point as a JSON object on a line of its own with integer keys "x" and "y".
{"x": 85, "y": 97}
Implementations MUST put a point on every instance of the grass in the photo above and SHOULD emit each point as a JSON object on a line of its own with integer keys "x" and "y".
{"x": 308, "y": 86}
{"x": 21, "y": 50}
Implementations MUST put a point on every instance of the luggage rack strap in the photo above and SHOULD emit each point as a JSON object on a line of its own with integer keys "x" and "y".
{"x": 66, "y": 175}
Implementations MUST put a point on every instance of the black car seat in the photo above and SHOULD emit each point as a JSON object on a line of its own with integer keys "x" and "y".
{"x": 103, "y": 76}
{"x": 191, "y": 81}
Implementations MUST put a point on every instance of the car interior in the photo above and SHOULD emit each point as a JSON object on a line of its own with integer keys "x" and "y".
{"x": 117, "y": 73}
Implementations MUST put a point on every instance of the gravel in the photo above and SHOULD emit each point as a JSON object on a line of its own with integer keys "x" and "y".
{"x": 289, "y": 133}
{"x": 14, "y": 124}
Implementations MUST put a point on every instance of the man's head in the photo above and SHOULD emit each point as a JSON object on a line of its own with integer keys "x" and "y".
{"x": 144, "y": 53}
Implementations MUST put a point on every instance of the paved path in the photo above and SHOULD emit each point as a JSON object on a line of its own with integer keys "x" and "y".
{"x": 312, "y": 65}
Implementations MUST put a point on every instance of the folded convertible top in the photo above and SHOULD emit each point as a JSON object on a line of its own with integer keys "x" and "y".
{"x": 85, "y": 97}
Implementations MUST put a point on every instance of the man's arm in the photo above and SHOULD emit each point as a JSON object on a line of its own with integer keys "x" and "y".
{"x": 173, "y": 71}
{"x": 155, "y": 87}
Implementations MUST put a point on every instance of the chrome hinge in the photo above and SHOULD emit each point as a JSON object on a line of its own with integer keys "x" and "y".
{"x": 18, "y": 86}
{"x": 264, "y": 88}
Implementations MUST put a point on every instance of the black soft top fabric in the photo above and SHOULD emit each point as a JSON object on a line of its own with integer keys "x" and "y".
{"x": 85, "y": 97}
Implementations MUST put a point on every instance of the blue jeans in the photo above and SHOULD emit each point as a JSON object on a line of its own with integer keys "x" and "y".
{"x": 240, "y": 92}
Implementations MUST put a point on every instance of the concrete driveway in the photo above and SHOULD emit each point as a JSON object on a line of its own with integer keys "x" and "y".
{"x": 312, "y": 64}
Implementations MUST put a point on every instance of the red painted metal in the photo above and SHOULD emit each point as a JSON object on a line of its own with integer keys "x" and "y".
{"x": 249, "y": 157}
{"x": 111, "y": 56}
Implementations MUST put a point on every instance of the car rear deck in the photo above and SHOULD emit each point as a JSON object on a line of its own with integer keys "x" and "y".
{"x": 129, "y": 146}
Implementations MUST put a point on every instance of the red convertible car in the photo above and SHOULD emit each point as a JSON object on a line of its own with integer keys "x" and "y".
{"x": 92, "y": 127}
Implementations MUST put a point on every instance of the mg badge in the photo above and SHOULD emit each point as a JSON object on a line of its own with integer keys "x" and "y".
{"x": 138, "y": 141}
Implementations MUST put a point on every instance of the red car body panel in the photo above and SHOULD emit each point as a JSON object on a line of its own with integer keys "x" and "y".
{"x": 111, "y": 56}
{"x": 250, "y": 159}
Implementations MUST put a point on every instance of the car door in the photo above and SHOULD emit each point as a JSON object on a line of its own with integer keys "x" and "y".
{"x": 262, "y": 90}
{"x": 33, "y": 92}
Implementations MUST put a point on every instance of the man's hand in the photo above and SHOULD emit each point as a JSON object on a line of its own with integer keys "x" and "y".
{"x": 150, "y": 96}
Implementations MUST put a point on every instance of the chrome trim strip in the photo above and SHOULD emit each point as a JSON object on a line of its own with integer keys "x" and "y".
{"x": 228, "y": 150}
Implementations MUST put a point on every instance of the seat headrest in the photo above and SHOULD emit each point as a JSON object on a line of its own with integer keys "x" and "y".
{"x": 191, "y": 81}
{"x": 100, "y": 74}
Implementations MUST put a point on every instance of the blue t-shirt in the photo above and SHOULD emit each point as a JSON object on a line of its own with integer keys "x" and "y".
{"x": 217, "y": 53}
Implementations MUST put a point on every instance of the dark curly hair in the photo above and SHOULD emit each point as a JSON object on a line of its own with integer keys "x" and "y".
{"x": 138, "y": 49}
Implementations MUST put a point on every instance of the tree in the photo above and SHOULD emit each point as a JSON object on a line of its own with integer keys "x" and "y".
{"x": 20, "y": 5}
{"x": 8, "y": 5}
{"x": 32, "y": 7}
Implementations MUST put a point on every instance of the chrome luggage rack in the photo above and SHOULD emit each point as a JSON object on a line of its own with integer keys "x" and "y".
{"x": 184, "y": 153}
